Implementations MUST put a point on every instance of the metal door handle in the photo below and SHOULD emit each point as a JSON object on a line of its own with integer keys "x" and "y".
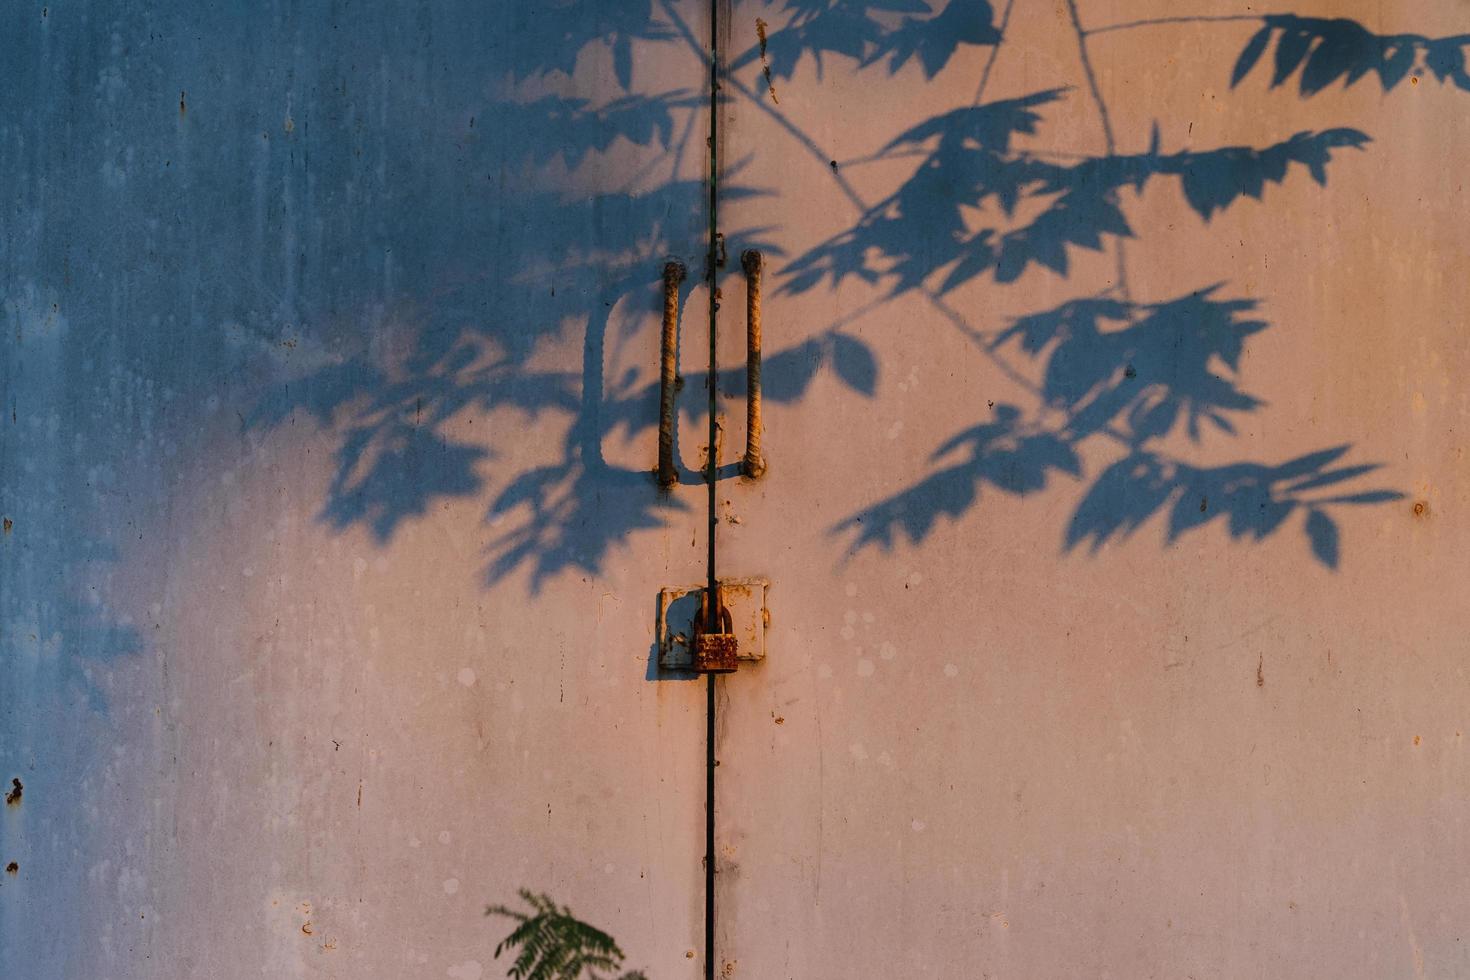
{"x": 668, "y": 371}
{"x": 754, "y": 464}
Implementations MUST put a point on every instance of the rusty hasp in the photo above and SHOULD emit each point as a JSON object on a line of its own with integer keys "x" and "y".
{"x": 683, "y": 624}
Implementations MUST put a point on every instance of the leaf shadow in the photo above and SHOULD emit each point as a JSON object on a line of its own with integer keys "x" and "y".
{"x": 1322, "y": 51}
{"x": 970, "y": 164}
{"x": 1129, "y": 374}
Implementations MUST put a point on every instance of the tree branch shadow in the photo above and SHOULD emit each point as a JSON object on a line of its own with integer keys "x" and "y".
{"x": 1133, "y": 375}
{"x": 1328, "y": 50}
{"x": 982, "y": 199}
{"x": 970, "y": 165}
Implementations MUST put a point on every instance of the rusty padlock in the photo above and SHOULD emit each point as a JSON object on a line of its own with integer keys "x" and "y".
{"x": 715, "y": 652}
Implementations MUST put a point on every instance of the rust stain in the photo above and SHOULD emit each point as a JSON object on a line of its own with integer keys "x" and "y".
{"x": 760, "y": 32}
{"x": 8, "y": 525}
{"x": 306, "y": 928}
{"x": 1421, "y": 508}
{"x": 735, "y": 590}
{"x": 12, "y": 798}
{"x": 12, "y": 868}
{"x": 1417, "y": 739}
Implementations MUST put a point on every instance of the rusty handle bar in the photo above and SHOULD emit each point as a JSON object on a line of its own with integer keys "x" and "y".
{"x": 668, "y": 371}
{"x": 754, "y": 464}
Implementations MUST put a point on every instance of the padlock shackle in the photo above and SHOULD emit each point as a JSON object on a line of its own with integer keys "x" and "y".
{"x": 715, "y": 615}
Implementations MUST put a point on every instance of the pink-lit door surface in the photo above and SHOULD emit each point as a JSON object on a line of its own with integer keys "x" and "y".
{"x": 1115, "y": 417}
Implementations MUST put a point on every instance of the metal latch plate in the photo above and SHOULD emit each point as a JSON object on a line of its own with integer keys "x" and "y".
{"x": 744, "y": 598}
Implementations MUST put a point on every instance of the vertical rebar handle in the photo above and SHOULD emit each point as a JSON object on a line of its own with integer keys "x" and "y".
{"x": 668, "y": 371}
{"x": 753, "y": 465}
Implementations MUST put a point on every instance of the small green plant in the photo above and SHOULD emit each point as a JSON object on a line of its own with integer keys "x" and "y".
{"x": 555, "y": 945}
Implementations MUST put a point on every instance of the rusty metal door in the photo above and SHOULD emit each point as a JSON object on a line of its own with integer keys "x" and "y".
{"x": 330, "y": 540}
{"x": 1115, "y": 416}
{"x": 1113, "y": 387}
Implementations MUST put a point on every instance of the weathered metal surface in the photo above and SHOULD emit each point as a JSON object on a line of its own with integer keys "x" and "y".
{"x": 330, "y": 383}
{"x": 329, "y": 346}
{"x": 1044, "y": 705}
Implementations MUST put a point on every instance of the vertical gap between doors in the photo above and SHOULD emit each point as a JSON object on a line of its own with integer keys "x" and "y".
{"x": 712, "y": 462}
